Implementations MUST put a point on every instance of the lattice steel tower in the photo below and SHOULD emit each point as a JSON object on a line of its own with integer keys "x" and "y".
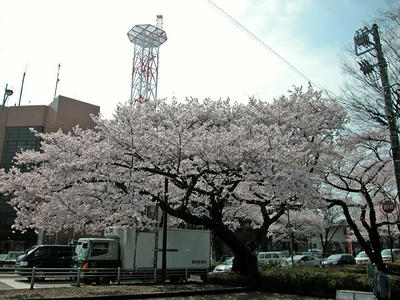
{"x": 147, "y": 40}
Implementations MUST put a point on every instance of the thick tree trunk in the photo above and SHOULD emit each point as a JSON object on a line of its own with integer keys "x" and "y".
{"x": 374, "y": 249}
{"x": 245, "y": 261}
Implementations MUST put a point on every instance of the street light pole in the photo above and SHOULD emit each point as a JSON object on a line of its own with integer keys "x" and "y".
{"x": 7, "y": 93}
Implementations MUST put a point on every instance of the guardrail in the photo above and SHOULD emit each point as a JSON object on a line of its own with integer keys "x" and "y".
{"x": 104, "y": 275}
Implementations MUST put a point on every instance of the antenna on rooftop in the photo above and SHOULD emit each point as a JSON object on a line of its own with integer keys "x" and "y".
{"x": 147, "y": 39}
{"x": 22, "y": 87}
{"x": 58, "y": 79}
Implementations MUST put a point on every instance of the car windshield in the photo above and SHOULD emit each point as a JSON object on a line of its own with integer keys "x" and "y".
{"x": 31, "y": 249}
{"x": 228, "y": 261}
{"x": 385, "y": 252}
{"x": 362, "y": 254}
{"x": 82, "y": 249}
{"x": 14, "y": 254}
{"x": 295, "y": 258}
{"x": 334, "y": 256}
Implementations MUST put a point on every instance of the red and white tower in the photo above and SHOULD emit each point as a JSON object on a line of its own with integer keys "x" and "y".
{"x": 147, "y": 40}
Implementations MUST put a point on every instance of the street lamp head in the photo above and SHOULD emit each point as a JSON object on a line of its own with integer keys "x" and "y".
{"x": 9, "y": 92}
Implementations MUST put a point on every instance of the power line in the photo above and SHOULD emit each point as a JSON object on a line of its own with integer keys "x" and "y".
{"x": 263, "y": 44}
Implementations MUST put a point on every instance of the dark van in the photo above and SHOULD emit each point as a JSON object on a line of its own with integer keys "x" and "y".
{"x": 44, "y": 256}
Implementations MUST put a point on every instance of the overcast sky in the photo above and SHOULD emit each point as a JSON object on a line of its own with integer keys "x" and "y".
{"x": 205, "y": 55}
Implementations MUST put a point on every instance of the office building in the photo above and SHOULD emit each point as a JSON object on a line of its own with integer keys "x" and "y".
{"x": 15, "y": 122}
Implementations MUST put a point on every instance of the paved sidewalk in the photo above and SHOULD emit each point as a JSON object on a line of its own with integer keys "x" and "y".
{"x": 4, "y": 286}
{"x": 147, "y": 291}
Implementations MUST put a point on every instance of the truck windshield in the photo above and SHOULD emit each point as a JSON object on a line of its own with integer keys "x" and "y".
{"x": 82, "y": 249}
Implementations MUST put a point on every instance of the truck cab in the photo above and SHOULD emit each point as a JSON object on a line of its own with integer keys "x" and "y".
{"x": 97, "y": 253}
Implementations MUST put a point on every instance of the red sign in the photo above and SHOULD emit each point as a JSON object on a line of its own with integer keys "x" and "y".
{"x": 388, "y": 206}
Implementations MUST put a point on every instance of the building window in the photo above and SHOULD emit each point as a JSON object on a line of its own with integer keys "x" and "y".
{"x": 17, "y": 139}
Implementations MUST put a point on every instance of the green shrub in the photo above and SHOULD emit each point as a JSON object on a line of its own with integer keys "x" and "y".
{"x": 309, "y": 281}
{"x": 264, "y": 265}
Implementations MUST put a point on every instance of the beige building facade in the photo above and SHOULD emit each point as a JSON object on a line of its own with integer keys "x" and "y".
{"x": 15, "y": 135}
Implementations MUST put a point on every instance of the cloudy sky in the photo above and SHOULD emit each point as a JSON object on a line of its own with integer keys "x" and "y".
{"x": 206, "y": 55}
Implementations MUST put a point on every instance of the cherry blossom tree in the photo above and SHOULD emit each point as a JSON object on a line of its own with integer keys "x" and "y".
{"x": 304, "y": 224}
{"x": 226, "y": 164}
{"x": 362, "y": 177}
{"x": 332, "y": 220}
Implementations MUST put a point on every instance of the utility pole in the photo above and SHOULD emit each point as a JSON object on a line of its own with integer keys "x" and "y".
{"x": 362, "y": 42}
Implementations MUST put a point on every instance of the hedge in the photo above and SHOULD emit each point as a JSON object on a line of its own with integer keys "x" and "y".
{"x": 322, "y": 282}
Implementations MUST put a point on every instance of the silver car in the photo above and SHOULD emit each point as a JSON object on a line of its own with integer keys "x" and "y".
{"x": 362, "y": 258}
{"x": 274, "y": 256}
{"x": 226, "y": 266}
{"x": 303, "y": 260}
{"x": 386, "y": 254}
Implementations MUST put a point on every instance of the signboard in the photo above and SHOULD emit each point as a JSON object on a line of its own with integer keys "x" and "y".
{"x": 388, "y": 206}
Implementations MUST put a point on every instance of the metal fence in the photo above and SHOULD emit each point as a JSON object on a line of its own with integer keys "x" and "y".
{"x": 104, "y": 275}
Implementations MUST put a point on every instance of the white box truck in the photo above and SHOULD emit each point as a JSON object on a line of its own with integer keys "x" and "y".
{"x": 137, "y": 255}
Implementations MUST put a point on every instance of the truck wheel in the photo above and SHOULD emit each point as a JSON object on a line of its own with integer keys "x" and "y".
{"x": 105, "y": 280}
{"x": 176, "y": 279}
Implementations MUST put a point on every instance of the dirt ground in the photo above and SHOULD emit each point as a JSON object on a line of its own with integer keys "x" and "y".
{"x": 87, "y": 291}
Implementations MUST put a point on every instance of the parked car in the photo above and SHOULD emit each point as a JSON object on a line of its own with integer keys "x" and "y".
{"x": 2, "y": 258}
{"x": 315, "y": 254}
{"x": 10, "y": 258}
{"x": 274, "y": 256}
{"x": 226, "y": 265}
{"x": 303, "y": 260}
{"x": 44, "y": 256}
{"x": 339, "y": 259}
{"x": 362, "y": 258}
{"x": 386, "y": 256}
